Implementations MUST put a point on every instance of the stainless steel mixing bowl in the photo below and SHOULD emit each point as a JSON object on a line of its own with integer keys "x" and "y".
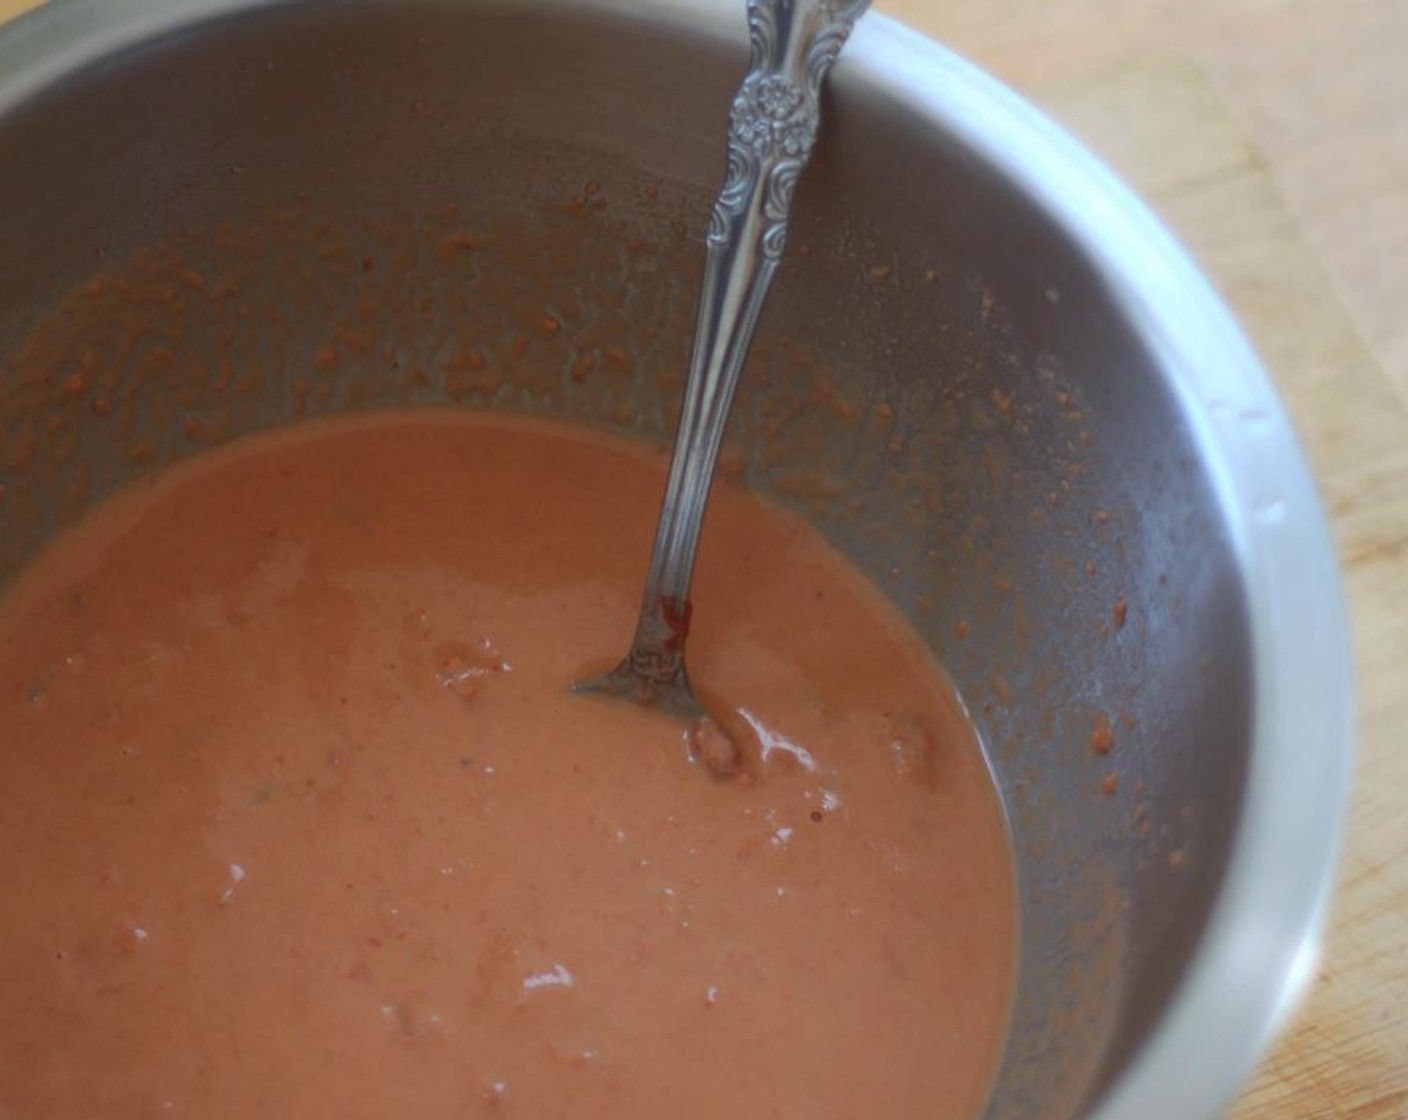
{"x": 986, "y": 373}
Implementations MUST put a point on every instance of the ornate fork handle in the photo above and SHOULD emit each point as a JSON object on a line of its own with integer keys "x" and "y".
{"x": 772, "y": 128}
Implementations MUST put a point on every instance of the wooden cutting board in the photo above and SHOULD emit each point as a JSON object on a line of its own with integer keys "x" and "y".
{"x": 1157, "y": 120}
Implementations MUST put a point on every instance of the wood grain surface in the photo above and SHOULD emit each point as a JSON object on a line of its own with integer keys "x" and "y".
{"x": 1271, "y": 136}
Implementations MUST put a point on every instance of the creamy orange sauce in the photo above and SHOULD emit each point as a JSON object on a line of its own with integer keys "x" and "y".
{"x": 298, "y": 817}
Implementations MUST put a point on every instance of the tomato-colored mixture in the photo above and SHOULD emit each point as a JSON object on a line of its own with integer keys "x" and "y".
{"x": 298, "y": 817}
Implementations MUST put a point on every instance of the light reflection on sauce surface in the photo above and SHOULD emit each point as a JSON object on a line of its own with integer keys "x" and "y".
{"x": 300, "y": 818}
